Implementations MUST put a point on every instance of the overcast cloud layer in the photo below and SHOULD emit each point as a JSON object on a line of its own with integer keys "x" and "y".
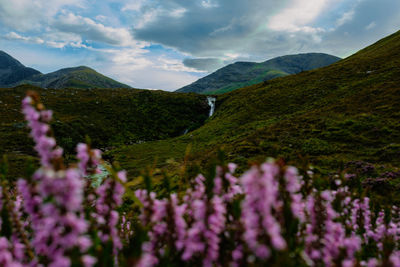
{"x": 166, "y": 44}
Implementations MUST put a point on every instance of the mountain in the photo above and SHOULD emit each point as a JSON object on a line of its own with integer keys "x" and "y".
{"x": 13, "y": 73}
{"x": 326, "y": 117}
{"x": 78, "y": 77}
{"x": 241, "y": 74}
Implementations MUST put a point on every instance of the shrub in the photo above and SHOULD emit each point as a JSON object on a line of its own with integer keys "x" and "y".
{"x": 315, "y": 146}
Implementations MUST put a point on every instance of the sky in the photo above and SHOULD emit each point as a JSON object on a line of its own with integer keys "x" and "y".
{"x": 166, "y": 44}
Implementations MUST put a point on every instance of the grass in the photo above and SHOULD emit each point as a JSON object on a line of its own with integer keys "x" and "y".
{"x": 79, "y": 77}
{"x": 242, "y": 74}
{"x": 266, "y": 75}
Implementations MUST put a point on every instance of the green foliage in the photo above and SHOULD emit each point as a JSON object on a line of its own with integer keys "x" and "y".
{"x": 78, "y": 78}
{"x": 390, "y": 152}
{"x": 110, "y": 117}
{"x": 315, "y": 146}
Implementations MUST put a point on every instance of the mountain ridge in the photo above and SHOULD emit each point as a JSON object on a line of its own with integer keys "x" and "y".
{"x": 14, "y": 73}
{"x": 244, "y": 73}
{"x": 11, "y": 70}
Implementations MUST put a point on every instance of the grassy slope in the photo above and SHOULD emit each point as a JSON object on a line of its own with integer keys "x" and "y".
{"x": 80, "y": 77}
{"x": 266, "y": 75}
{"x": 110, "y": 117}
{"x": 347, "y": 111}
{"x": 241, "y": 74}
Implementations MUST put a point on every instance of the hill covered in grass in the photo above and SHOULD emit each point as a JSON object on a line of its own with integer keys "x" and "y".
{"x": 77, "y": 77}
{"x": 344, "y": 112}
{"x": 109, "y": 117}
{"x": 241, "y": 74}
{"x": 13, "y": 73}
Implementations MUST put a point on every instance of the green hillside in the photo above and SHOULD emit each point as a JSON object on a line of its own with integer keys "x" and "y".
{"x": 241, "y": 74}
{"x": 110, "y": 117}
{"x": 78, "y": 77}
{"x": 13, "y": 73}
{"x": 347, "y": 111}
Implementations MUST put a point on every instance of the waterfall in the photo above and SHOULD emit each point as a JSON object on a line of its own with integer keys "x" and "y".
{"x": 211, "y": 102}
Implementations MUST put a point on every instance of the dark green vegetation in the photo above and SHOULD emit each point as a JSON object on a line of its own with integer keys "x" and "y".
{"x": 79, "y": 77}
{"x": 347, "y": 111}
{"x": 13, "y": 73}
{"x": 241, "y": 74}
{"x": 111, "y": 118}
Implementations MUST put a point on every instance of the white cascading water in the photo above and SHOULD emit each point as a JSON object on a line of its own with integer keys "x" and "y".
{"x": 211, "y": 102}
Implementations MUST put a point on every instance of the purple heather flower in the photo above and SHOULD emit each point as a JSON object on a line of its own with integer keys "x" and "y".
{"x": 6, "y": 256}
{"x": 88, "y": 261}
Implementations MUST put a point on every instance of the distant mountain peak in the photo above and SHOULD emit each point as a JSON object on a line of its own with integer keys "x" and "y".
{"x": 12, "y": 71}
{"x": 243, "y": 73}
{"x": 7, "y": 61}
{"x": 77, "y": 68}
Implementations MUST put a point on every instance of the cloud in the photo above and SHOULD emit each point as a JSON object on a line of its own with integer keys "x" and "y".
{"x": 298, "y": 16}
{"x": 173, "y": 64}
{"x": 16, "y": 36}
{"x": 209, "y": 3}
{"x": 251, "y": 32}
{"x": 264, "y": 29}
{"x": 353, "y": 36}
{"x": 177, "y": 13}
{"x": 140, "y": 70}
{"x": 147, "y": 17}
{"x": 370, "y": 26}
{"x": 51, "y": 40}
{"x": 135, "y": 58}
{"x": 151, "y": 78}
{"x": 204, "y": 64}
{"x": 24, "y": 15}
{"x": 134, "y": 5}
{"x": 206, "y": 30}
{"x": 345, "y": 18}
{"x": 88, "y": 29}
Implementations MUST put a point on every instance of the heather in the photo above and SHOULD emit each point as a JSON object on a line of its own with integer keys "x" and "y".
{"x": 273, "y": 214}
